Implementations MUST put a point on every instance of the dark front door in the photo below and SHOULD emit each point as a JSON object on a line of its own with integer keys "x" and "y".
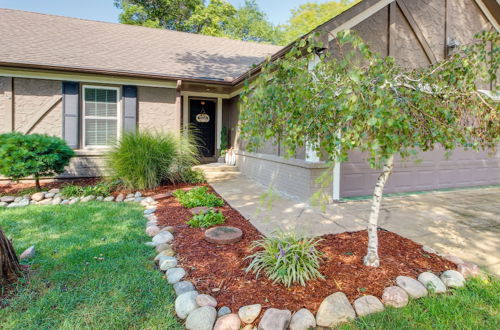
{"x": 202, "y": 120}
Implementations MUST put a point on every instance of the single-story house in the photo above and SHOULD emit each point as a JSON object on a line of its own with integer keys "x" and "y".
{"x": 88, "y": 82}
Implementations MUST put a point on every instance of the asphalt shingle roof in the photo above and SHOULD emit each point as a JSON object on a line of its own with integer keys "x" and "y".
{"x": 55, "y": 41}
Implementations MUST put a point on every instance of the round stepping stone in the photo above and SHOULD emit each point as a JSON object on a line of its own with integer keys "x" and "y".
{"x": 456, "y": 260}
{"x": 223, "y": 235}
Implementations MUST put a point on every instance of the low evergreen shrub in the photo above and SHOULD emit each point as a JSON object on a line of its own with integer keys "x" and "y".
{"x": 33, "y": 155}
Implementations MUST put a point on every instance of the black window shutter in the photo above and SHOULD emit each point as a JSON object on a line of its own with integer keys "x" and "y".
{"x": 71, "y": 113}
{"x": 129, "y": 108}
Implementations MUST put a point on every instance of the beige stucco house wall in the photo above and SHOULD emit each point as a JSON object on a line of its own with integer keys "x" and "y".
{"x": 30, "y": 105}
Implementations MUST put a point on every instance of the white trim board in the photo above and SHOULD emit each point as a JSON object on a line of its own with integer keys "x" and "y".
{"x": 84, "y": 78}
{"x": 488, "y": 14}
{"x": 359, "y": 18}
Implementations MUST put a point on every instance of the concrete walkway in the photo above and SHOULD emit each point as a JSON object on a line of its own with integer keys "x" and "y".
{"x": 464, "y": 222}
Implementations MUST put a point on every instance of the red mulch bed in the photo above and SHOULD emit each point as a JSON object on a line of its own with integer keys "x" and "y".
{"x": 218, "y": 270}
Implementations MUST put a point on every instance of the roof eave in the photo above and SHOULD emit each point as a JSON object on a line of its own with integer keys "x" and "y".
{"x": 114, "y": 73}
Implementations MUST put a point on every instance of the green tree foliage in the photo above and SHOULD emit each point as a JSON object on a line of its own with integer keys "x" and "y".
{"x": 216, "y": 18}
{"x": 310, "y": 15}
{"x": 358, "y": 99}
{"x": 167, "y": 14}
{"x": 35, "y": 155}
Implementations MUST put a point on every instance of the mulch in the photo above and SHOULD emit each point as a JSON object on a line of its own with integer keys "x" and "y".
{"x": 219, "y": 270}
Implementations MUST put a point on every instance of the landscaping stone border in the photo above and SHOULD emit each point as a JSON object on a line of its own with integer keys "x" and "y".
{"x": 199, "y": 310}
{"x": 54, "y": 197}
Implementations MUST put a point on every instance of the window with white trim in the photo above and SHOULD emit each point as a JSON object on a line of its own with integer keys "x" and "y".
{"x": 101, "y": 111}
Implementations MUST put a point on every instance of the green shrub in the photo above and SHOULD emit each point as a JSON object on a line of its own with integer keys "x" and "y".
{"x": 286, "y": 259}
{"x": 101, "y": 189}
{"x": 144, "y": 160}
{"x": 196, "y": 197}
{"x": 207, "y": 219}
{"x": 193, "y": 176}
{"x": 35, "y": 155}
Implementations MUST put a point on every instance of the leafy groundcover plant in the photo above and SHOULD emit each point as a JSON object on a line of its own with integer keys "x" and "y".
{"x": 286, "y": 259}
{"x": 35, "y": 155}
{"x": 144, "y": 160}
{"x": 207, "y": 219}
{"x": 197, "y": 197}
{"x": 101, "y": 189}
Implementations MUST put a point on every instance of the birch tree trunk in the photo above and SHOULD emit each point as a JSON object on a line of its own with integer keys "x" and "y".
{"x": 9, "y": 264}
{"x": 371, "y": 258}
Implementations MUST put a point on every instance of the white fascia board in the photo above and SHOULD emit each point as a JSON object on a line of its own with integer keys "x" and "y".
{"x": 85, "y": 78}
{"x": 359, "y": 18}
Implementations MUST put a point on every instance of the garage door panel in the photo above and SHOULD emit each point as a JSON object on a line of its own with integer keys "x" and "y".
{"x": 433, "y": 170}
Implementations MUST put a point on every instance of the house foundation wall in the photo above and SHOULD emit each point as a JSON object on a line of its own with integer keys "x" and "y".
{"x": 295, "y": 178}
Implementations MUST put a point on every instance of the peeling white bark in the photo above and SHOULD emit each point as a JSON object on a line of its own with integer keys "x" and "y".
{"x": 371, "y": 258}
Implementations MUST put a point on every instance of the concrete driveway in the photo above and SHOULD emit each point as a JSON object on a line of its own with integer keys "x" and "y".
{"x": 463, "y": 222}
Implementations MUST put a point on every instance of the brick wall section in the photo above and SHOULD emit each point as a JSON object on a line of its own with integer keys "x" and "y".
{"x": 293, "y": 177}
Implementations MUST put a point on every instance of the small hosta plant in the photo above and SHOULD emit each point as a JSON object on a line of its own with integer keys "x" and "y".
{"x": 207, "y": 219}
{"x": 286, "y": 259}
{"x": 196, "y": 197}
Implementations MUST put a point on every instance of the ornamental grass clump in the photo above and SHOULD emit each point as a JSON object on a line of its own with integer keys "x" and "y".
{"x": 286, "y": 259}
{"x": 207, "y": 219}
{"x": 144, "y": 160}
{"x": 197, "y": 197}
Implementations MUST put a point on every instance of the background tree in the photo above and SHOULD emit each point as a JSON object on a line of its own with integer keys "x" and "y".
{"x": 361, "y": 100}
{"x": 167, "y": 14}
{"x": 310, "y": 15}
{"x": 35, "y": 155}
{"x": 215, "y": 18}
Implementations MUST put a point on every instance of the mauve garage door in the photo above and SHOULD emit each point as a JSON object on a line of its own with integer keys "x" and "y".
{"x": 432, "y": 171}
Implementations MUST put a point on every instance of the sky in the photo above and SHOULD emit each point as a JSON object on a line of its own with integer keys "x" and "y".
{"x": 278, "y": 11}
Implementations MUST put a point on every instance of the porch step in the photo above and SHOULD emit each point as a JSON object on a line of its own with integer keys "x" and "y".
{"x": 218, "y": 171}
{"x": 216, "y": 168}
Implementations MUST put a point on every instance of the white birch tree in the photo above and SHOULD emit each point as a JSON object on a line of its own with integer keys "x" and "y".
{"x": 377, "y": 106}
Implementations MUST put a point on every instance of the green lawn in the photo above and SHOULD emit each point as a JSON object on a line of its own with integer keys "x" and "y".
{"x": 70, "y": 287}
{"x": 91, "y": 270}
{"x": 476, "y": 306}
